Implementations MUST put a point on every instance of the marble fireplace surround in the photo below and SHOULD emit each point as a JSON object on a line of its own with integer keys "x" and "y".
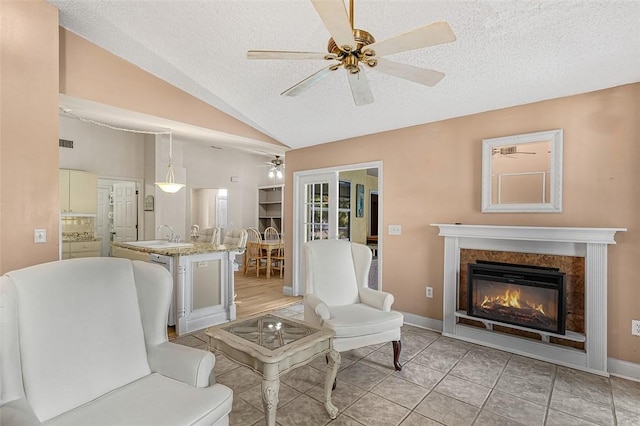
{"x": 590, "y": 243}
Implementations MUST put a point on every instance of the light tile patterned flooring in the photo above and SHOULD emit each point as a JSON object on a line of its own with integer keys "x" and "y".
{"x": 443, "y": 381}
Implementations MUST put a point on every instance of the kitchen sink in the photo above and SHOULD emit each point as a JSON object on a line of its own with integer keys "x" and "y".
{"x": 160, "y": 244}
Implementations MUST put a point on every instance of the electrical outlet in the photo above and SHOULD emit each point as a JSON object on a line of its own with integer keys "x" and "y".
{"x": 635, "y": 327}
{"x": 395, "y": 229}
{"x": 430, "y": 292}
{"x": 39, "y": 236}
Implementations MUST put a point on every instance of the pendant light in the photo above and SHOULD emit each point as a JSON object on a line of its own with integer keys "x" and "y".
{"x": 169, "y": 185}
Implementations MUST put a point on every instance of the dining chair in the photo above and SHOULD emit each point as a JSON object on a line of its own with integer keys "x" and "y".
{"x": 254, "y": 257}
{"x": 271, "y": 234}
{"x": 277, "y": 258}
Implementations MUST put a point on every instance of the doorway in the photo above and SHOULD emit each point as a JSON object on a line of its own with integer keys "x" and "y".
{"x": 117, "y": 218}
{"x": 373, "y": 213}
{"x": 317, "y": 208}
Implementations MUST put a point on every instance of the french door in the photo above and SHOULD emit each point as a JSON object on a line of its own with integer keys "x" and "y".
{"x": 318, "y": 214}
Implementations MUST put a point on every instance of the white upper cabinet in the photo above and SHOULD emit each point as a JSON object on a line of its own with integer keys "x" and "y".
{"x": 78, "y": 192}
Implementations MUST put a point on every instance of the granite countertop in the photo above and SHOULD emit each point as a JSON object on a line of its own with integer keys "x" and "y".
{"x": 78, "y": 237}
{"x": 197, "y": 248}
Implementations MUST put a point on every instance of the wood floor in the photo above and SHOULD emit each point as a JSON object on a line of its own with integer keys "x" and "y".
{"x": 258, "y": 294}
{"x": 255, "y": 295}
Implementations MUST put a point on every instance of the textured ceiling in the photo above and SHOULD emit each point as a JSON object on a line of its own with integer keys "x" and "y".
{"x": 507, "y": 53}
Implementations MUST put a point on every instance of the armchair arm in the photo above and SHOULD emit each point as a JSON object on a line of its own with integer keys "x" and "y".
{"x": 318, "y": 306}
{"x": 188, "y": 365}
{"x": 18, "y": 413}
{"x": 376, "y": 299}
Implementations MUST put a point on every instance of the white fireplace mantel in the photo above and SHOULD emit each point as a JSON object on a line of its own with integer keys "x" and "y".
{"x": 590, "y": 243}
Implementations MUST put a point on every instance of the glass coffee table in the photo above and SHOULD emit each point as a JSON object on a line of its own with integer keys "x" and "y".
{"x": 272, "y": 346}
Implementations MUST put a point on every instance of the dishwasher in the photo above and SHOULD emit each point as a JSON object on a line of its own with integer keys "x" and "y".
{"x": 167, "y": 263}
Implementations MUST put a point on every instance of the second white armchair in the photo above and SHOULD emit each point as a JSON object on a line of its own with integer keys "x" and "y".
{"x": 337, "y": 297}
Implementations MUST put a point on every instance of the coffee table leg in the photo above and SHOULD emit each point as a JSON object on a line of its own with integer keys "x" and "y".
{"x": 333, "y": 362}
{"x": 270, "y": 388}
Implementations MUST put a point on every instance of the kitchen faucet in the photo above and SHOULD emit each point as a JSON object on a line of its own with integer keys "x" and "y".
{"x": 169, "y": 237}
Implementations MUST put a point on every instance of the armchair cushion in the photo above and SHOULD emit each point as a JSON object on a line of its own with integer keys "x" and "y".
{"x": 334, "y": 269}
{"x": 153, "y": 400}
{"x": 361, "y": 320}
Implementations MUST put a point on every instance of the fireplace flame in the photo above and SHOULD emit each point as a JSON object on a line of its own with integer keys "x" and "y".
{"x": 510, "y": 298}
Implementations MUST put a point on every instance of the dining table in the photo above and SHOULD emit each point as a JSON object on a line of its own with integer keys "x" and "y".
{"x": 268, "y": 247}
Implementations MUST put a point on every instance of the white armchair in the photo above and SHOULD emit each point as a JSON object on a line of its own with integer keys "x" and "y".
{"x": 337, "y": 297}
{"x": 84, "y": 341}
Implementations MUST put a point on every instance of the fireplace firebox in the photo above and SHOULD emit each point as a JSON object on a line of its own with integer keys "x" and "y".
{"x": 523, "y": 295}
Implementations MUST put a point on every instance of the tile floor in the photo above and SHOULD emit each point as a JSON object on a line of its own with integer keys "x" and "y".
{"x": 443, "y": 381}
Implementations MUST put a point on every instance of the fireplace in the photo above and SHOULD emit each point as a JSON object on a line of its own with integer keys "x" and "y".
{"x": 523, "y": 295}
{"x": 591, "y": 244}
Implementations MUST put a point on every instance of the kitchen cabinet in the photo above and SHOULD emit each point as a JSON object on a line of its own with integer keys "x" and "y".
{"x": 270, "y": 204}
{"x": 76, "y": 249}
{"x": 78, "y": 192}
{"x": 203, "y": 289}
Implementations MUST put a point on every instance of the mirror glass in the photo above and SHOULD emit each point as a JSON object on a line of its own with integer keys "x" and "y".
{"x": 208, "y": 208}
{"x": 522, "y": 173}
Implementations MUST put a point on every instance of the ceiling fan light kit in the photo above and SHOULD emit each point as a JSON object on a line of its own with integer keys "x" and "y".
{"x": 277, "y": 164}
{"x": 353, "y": 49}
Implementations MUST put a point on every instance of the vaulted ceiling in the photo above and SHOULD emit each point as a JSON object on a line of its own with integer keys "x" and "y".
{"x": 507, "y": 53}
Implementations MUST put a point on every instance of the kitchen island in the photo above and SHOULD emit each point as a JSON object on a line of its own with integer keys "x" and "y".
{"x": 202, "y": 273}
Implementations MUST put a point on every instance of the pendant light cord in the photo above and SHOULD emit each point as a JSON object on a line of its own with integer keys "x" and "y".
{"x": 170, "y": 179}
{"x": 68, "y": 113}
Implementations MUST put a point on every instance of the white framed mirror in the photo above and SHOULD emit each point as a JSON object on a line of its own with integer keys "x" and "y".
{"x": 522, "y": 173}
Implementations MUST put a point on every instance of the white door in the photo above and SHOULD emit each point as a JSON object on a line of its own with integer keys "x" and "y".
{"x": 125, "y": 212}
{"x": 316, "y": 214}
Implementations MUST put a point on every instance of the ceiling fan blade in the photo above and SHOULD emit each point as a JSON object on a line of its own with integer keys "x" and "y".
{"x": 430, "y": 35}
{"x": 360, "y": 88}
{"x": 334, "y": 16}
{"x": 281, "y": 54}
{"x": 308, "y": 82}
{"x": 409, "y": 72}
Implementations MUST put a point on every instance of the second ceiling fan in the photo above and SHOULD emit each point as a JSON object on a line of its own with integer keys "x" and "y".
{"x": 354, "y": 49}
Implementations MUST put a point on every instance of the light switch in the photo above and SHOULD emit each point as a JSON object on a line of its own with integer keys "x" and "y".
{"x": 395, "y": 229}
{"x": 39, "y": 236}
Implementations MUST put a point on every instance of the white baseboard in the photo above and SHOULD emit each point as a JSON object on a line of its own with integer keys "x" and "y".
{"x": 619, "y": 368}
{"x": 624, "y": 369}
{"x": 423, "y": 322}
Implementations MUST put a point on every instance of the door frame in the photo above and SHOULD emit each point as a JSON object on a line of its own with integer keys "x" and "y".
{"x": 296, "y": 285}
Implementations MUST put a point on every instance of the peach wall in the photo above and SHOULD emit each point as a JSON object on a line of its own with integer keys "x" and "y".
{"x": 92, "y": 73}
{"x": 28, "y": 132}
{"x": 432, "y": 174}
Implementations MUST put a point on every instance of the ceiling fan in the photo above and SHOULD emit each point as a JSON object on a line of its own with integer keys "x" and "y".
{"x": 277, "y": 164}
{"x": 354, "y": 49}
